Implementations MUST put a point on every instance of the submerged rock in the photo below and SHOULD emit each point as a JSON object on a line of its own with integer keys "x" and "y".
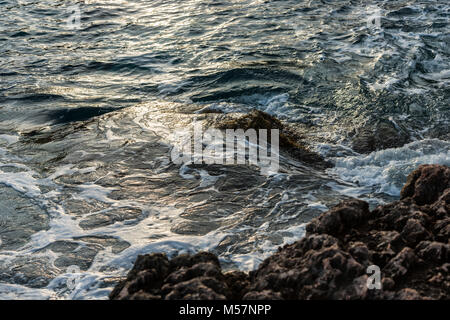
{"x": 382, "y": 135}
{"x": 289, "y": 140}
{"x": 408, "y": 241}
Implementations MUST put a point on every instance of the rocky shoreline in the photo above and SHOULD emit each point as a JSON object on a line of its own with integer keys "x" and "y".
{"x": 408, "y": 240}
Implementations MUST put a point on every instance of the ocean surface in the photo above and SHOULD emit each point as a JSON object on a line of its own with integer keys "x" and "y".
{"x": 88, "y": 111}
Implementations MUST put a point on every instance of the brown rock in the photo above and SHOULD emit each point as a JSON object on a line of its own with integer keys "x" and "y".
{"x": 408, "y": 294}
{"x": 413, "y": 232}
{"x": 202, "y": 288}
{"x": 426, "y": 184}
{"x": 340, "y": 218}
{"x": 433, "y": 251}
{"x": 381, "y": 135}
{"x": 263, "y": 295}
{"x": 400, "y": 264}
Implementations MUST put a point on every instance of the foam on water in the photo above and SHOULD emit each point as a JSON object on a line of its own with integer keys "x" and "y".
{"x": 385, "y": 171}
{"x": 14, "y": 292}
{"x": 9, "y": 139}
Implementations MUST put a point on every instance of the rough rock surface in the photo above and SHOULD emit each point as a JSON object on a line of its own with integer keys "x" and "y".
{"x": 382, "y": 135}
{"x": 409, "y": 240}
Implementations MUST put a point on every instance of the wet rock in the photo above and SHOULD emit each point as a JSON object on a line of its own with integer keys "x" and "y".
{"x": 83, "y": 257}
{"x": 116, "y": 245}
{"x": 398, "y": 266}
{"x": 340, "y": 218}
{"x": 407, "y": 240}
{"x": 197, "y": 228}
{"x": 408, "y": 294}
{"x": 413, "y": 232}
{"x": 426, "y": 184}
{"x": 263, "y": 295}
{"x": 382, "y": 135}
{"x": 109, "y": 217}
{"x": 439, "y": 131}
{"x": 289, "y": 140}
{"x": 197, "y": 277}
{"x": 416, "y": 109}
{"x": 33, "y": 271}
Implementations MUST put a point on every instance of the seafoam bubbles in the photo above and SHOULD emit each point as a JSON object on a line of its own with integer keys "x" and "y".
{"x": 385, "y": 171}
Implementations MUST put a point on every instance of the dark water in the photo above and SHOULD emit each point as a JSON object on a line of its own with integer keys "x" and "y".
{"x": 87, "y": 118}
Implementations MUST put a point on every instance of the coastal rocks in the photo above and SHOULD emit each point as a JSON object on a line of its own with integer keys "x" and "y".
{"x": 382, "y": 135}
{"x": 184, "y": 277}
{"x": 341, "y": 218}
{"x": 407, "y": 241}
{"x": 313, "y": 268}
{"x": 426, "y": 184}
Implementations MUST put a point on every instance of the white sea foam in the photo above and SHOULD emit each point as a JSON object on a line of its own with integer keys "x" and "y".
{"x": 385, "y": 171}
{"x": 15, "y": 291}
{"x": 250, "y": 261}
{"x": 9, "y": 139}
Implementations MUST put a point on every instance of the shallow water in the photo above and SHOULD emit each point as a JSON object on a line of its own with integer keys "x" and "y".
{"x": 87, "y": 122}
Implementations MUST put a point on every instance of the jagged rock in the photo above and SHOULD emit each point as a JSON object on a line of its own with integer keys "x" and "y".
{"x": 399, "y": 266}
{"x": 263, "y": 295}
{"x": 200, "y": 288}
{"x": 426, "y": 184}
{"x": 340, "y": 218}
{"x": 408, "y": 294}
{"x": 408, "y": 240}
{"x": 184, "y": 277}
{"x": 413, "y": 232}
{"x": 433, "y": 251}
{"x": 238, "y": 283}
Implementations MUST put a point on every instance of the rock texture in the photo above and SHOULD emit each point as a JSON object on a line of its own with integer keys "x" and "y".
{"x": 382, "y": 135}
{"x": 409, "y": 240}
{"x": 197, "y": 277}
